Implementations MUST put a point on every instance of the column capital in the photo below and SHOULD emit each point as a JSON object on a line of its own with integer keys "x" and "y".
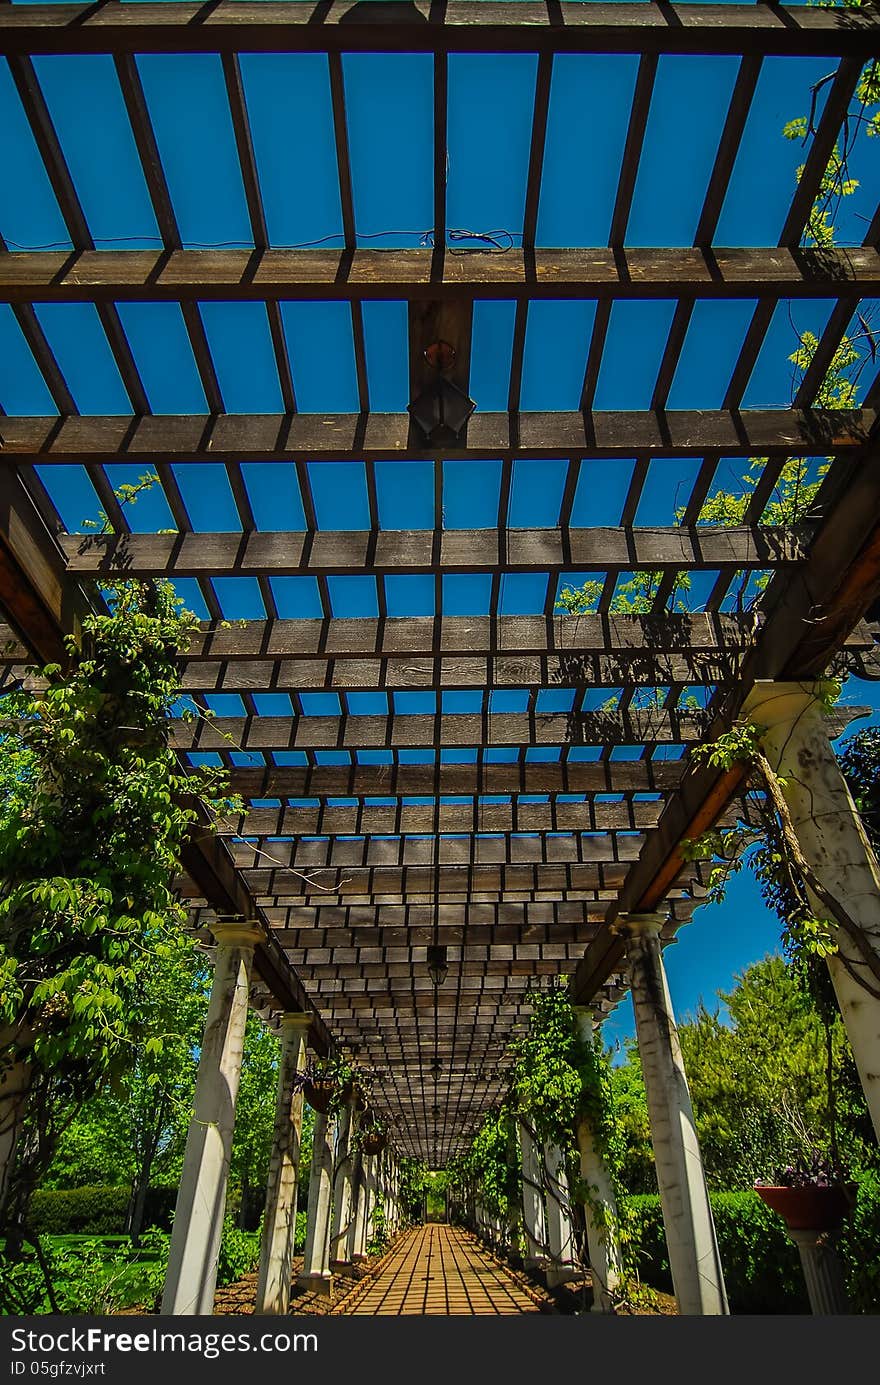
{"x": 295, "y": 1019}
{"x": 770, "y": 703}
{"x": 234, "y": 930}
{"x": 639, "y": 925}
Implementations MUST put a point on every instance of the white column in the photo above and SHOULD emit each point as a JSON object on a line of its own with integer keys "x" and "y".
{"x": 833, "y": 840}
{"x": 342, "y": 1191}
{"x": 279, "y": 1219}
{"x": 560, "y": 1239}
{"x": 533, "y": 1201}
{"x": 201, "y": 1198}
{"x": 364, "y": 1209}
{"x": 315, "y": 1274}
{"x": 684, "y": 1198}
{"x": 357, "y": 1200}
{"x": 600, "y": 1211}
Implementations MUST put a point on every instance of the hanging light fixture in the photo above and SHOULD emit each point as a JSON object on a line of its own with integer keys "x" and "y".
{"x": 441, "y": 408}
{"x": 438, "y": 967}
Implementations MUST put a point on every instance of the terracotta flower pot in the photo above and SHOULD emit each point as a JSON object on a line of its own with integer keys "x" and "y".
{"x": 811, "y": 1208}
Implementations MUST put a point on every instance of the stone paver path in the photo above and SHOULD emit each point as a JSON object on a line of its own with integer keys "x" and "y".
{"x": 438, "y": 1269}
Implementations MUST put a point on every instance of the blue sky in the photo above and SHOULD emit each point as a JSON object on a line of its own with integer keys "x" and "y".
{"x": 389, "y": 104}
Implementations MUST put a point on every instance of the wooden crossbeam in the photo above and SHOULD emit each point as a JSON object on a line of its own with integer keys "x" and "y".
{"x": 433, "y": 550}
{"x": 453, "y": 730}
{"x": 265, "y": 861}
{"x": 423, "y": 636}
{"x": 106, "y": 276}
{"x": 459, "y": 26}
{"x": 278, "y": 437}
{"x": 474, "y": 816}
{"x": 411, "y": 732}
{"x": 364, "y": 781}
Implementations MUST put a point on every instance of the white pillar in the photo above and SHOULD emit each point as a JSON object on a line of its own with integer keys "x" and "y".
{"x": 684, "y": 1197}
{"x": 342, "y": 1191}
{"x": 833, "y": 841}
{"x": 315, "y": 1274}
{"x": 201, "y": 1198}
{"x": 600, "y": 1211}
{"x": 364, "y": 1209}
{"x": 823, "y": 1271}
{"x": 533, "y": 1201}
{"x": 560, "y": 1238}
{"x": 357, "y": 1200}
{"x": 279, "y": 1219}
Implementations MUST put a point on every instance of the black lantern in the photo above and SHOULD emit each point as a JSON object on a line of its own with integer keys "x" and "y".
{"x": 441, "y": 408}
{"x": 438, "y": 967}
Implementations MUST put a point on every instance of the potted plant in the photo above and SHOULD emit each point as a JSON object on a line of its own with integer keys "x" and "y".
{"x": 810, "y": 1194}
{"x": 372, "y": 1135}
{"x": 322, "y": 1081}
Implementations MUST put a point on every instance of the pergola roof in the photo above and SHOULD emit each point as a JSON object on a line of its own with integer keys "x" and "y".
{"x": 428, "y": 750}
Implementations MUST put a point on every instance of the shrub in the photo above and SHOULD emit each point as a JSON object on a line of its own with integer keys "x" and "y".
{"x": 97, "y": 1211}
{"x": 761, "y": 1265}
{"x": 299, "y": 1236}
{"x": 239, "y": 1253}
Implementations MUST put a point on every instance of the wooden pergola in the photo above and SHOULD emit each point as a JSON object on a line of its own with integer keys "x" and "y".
{"x": 519, "y": 866}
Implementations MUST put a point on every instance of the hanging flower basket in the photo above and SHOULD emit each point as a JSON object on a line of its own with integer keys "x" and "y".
{"x": 811, "y": 1207}
{"x": 319, "y": 1092}
{"x": 373, "y": 1141}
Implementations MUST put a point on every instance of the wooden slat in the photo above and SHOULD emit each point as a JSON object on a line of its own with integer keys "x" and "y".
{"x": 275, "y": 437}
{"x": 426, "y": 550}
{"x": 376, "y": 732}
{"x": 247, "y": 26}
{"x": 276, "y": 274}
{"x": 367, "y": 818}
{"x": 358, "y": 781}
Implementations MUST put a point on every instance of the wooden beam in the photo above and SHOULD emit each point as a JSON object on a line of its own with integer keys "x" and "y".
{"x": 107, "y": 276}
{"x": 420, "y": 636}
{"x": 360, "y": 781}
{"x": 457, "y": 729}
{"x": 278, "y": 437}
{"x": 459, "y": 26}
{"x": 432, "y": 550}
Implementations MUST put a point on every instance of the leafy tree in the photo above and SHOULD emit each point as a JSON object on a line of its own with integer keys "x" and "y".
{"x": 254, "y": 1117}
{"x": 92, "y": 824}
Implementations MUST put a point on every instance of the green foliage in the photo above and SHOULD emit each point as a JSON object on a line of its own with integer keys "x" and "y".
{"x": 378, "y": 1240}
{"x": 637, "y": 1171}
{"x": 859, "y": 759}
{"x": 758, "y": 1085}
{"x": 761, "y": 1266}
{"x": 239, "y": 1253}
{"x": 91, "y": 828}
{"x": 545, "y": 1076}
{"x": 493, "y": 1162}
{"x": 99, "y": 1210}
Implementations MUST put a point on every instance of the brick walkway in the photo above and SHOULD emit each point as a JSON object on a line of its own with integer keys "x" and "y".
{"x": 441, "y": 1269}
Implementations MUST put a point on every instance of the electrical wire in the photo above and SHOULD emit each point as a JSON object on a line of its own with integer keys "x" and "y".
{"x": 500, "y": 240}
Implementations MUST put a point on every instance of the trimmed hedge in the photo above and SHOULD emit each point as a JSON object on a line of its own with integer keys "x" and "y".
{"x": 761, "y": 1265}
{"x": 98, "y": 1211}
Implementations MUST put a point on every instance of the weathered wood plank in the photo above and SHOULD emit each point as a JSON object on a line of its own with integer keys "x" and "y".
{"x": 278, "y": 437}
{"x": 433, "y": 550}
{"x": 460, "y": 25}
{"x": 270, "y": 275}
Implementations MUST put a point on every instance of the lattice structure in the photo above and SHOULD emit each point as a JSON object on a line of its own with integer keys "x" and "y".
{"x": 453, "y": 762}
